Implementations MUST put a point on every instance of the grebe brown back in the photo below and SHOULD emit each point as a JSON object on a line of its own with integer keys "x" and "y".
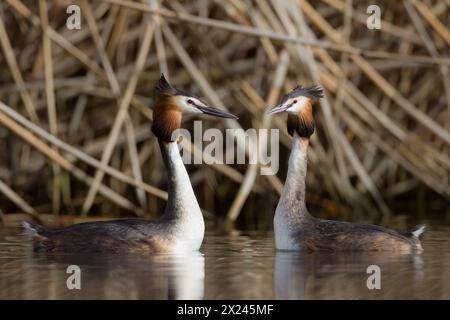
{"x": 295, "y": 228}
{"x": 180, "y": 229}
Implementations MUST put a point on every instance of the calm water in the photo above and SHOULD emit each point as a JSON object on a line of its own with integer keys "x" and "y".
{"x": 228, "y": 267}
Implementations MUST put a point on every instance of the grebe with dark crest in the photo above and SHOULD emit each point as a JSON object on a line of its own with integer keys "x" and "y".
{"x": 180, "y": 229}
{"x": 295, "y": 228}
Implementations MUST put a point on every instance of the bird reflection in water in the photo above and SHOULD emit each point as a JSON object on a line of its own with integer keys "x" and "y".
{"x": 301, "y": 275}
{"x": 164, "y": 276}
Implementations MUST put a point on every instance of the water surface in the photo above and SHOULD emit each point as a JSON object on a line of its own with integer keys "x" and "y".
{"x": 242, "y": 266}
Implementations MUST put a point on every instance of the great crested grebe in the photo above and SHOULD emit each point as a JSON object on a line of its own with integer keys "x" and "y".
{"x": 180, "y": 229}
{"x": 295, "y": 228}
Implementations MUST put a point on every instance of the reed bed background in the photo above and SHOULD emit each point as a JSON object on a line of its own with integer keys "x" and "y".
{"x": 75, "y": 105}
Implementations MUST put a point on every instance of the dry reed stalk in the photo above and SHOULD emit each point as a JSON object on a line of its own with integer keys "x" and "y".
{"x": 122, "y": 113}
{"x": 223, "y": 25}
{"x": 19, "y": 201}
{"x": 252, "y": 170}
{"x": 79, "y": 154}
{"x": 15, "y": 72}
{"x": 50, "y": 100}
{"x": 60, "y": 160}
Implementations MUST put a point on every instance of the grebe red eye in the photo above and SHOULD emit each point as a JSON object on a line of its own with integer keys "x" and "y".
{"x": 190, "y": 101}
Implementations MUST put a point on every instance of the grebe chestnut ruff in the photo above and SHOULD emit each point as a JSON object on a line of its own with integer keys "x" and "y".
{"x": 180, "y": 229}
{"x": 295, "y": 228}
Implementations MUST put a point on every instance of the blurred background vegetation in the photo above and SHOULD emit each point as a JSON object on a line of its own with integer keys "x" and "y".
{"x": 75, "y": 108}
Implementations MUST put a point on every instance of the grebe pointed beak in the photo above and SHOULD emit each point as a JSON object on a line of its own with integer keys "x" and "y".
{"x": 278, "y": 109}
{"x": 216, "y": 112}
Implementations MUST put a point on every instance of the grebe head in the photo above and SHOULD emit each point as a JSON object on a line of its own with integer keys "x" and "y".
{"x": 298, "y": 104}
{"x": 172, "y": 103}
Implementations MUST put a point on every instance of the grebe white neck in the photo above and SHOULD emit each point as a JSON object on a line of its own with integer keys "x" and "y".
{"x": 291, "y": 209}
{"x": 182, "y": 211}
